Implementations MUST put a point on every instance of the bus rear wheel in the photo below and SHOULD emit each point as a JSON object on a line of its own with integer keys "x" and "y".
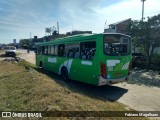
{"x": 64, "y": 74}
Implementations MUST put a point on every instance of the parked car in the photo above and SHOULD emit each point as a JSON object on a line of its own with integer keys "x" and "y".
{"x": 10, "y": 51}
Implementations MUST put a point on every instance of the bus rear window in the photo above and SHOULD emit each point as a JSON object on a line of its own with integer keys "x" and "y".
{"x": 116, "y": 45}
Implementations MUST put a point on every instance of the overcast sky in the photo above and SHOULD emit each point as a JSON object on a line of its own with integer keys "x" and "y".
{"x": 20, "y": 17}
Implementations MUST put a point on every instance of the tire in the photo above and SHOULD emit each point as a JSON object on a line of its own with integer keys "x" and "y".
{"x": 14, "y": 55}
{"x": 64, "y": 74}
{"x": 41, "y": 65}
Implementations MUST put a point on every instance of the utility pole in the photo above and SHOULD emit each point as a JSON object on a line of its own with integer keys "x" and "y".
{"x": 30, "y": 36}
{"x": 58, "y": 27}
{"x": 105, "y": 25}
{"x": 29, "y": 42}
{"x": 143, "y": 9}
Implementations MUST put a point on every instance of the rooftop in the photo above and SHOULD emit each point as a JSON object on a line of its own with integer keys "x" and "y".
{"x": 120, "y": 21}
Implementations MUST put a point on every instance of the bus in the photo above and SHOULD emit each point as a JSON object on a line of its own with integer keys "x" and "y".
{"x": 97, "y": 59}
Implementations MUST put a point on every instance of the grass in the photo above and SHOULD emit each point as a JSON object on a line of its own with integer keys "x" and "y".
{"x": 23, "y": 88}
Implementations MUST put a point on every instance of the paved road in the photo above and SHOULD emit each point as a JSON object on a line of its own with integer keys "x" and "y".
{"x": 138, "y": 97}
{"x": 141, "y": 98}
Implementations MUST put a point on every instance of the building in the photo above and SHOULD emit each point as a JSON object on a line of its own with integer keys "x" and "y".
{"x": 119, "y": 27}
{"x": 44, "y": 39}
{"x": 54, "y": 36}
{"x": 1, "y": 46}
{"x": 76, "y": 32}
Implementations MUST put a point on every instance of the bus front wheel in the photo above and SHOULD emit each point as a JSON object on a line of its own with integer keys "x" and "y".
{"x": 41, "y": 65}
{"x": 64, "y": 74}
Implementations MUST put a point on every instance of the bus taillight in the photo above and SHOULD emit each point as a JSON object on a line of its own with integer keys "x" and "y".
{"x": 103, "y": 70}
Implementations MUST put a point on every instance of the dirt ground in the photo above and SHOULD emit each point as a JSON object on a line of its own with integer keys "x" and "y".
{"x": 141, "y": 93}
{"x": 143, "y": 90}
{"x": 30, "y": 57}
{"x": 22, "y": 54}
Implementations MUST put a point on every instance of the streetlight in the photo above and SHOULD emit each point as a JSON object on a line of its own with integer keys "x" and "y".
{"x": 142, "y": 8}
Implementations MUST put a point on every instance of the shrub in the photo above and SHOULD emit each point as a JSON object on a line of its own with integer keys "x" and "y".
{"x": 156, "y": 59}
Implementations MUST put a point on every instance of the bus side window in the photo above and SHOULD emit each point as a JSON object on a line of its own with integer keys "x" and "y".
{"x": 73, "y": 51}
{"x": 49, "y": 50}
{"x": 52, "y": 50}
{"x": 70, "y": 53}
{"x": 42, "y": 50}
{"x": 61, "y": 50}
{"x": 88, "y": 50}
{"x": 76, "y": 53}
{"x": 45, "y": 50}
{"x": 55, "y": 50}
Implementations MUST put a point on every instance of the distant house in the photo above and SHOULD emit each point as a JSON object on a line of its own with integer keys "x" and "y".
{"x": 119, "y": 27}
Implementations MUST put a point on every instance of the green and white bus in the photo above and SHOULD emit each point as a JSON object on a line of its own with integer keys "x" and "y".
{"x": 97, "y": 59}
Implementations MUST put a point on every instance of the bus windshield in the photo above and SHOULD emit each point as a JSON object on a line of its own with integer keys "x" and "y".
{"x": 117, "y": 45}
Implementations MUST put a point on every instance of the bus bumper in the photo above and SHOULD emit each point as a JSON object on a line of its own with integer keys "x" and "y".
{"x": 103, "y": 81}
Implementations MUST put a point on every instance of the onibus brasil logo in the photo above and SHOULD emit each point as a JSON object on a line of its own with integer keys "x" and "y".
{"x": 21, "y": 114}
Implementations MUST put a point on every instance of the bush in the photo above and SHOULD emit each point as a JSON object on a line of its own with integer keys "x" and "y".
{"x": 156, "y": 59}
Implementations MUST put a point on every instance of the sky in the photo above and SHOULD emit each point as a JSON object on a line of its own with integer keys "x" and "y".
{"x": 19, "y": 18}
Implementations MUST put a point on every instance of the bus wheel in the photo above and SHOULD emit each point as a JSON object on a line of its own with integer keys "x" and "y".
{"x": 64, "y": 74}
{"x": 41, "y": 65}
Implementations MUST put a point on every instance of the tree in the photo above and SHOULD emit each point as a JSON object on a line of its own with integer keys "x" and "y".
{"x": 25, "y": 43}
{"x": 146, "y": 35}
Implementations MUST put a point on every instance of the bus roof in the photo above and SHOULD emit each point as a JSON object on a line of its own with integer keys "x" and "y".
{"x": 76, "y": 38}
